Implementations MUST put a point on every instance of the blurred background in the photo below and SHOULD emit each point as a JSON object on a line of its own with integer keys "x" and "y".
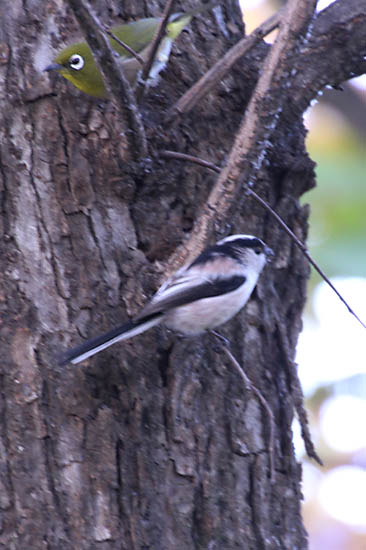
{"x": 332, "y": 347}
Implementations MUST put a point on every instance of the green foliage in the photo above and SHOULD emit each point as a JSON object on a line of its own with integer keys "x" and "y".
{"x": 338, "y": 208}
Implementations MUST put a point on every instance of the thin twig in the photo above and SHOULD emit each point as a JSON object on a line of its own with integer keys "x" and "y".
{"x": 304, "y": 250}
{"x": 215, "y": 75}
{"x": 125, "y": 46}
{"x": 113, "y": 76}
{"x": 297, "y": 393}
{"x": 250, "y": 387}
{"x": 154, "y": 48}
{"x": 189, "y": 158}
{"x": 250, "y": 192}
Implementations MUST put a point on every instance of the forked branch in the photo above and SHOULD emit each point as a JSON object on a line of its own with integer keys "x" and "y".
{"x": 113, "y": 76}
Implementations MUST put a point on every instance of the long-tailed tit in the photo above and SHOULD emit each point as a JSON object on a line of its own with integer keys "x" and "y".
{"x": 199, "y": 297}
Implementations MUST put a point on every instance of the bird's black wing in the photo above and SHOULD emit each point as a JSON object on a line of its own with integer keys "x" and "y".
{"x": 187, "y": 293}
{"x": 181, "y": 291}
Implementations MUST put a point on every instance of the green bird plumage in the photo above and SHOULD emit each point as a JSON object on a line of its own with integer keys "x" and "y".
{"x": 76, "y": 62}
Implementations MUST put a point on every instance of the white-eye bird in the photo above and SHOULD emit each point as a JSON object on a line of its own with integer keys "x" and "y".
{"x": 199, "y": 297}
{"x": 76, "y": 62}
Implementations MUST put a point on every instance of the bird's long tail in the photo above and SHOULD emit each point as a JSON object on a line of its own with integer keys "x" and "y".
{"x": 103, "y": 341}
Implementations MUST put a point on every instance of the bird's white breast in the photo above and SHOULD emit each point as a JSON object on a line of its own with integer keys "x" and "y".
{"x": 208, "y": 313}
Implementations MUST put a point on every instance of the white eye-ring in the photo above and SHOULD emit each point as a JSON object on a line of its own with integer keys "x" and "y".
{"x": 76, "y": 62}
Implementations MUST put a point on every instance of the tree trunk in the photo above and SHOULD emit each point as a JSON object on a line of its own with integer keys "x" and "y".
{"x": 154, "y": 443}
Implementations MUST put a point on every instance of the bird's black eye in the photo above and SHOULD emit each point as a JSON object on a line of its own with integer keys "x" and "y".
{"x": 258, "y": 250}
{"x": 76, "y": 62}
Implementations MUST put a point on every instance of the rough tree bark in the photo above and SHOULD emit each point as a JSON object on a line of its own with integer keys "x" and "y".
{"x": 153, "y": 444}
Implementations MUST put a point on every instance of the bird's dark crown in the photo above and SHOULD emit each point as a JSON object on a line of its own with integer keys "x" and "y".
{"x": 232, "y": 246}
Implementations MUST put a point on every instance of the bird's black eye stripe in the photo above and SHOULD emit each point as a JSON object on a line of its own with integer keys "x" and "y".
{"x": 238, "y": 244}
{"x": 230, "y": 248}
{"x": 256, "y": 244}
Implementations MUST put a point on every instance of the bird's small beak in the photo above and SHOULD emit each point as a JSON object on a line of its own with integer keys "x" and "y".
{"x": 53, "y": 67}
{"x": 269, "y": 253}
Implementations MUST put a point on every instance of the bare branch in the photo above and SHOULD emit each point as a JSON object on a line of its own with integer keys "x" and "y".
{"x": 297, "y": 393}
{"x": 250, "y": 387}
{"x": 329, "y": 37}
{"x": 125, "y": 46}
{"x": 250, "y": 192}
{"x": 334, "y": 54}
{"x": 214, "y": 76}
{"x": 189, "y": 158}
{"x": 140, "y": 88}
{"x": 113, "y": 76}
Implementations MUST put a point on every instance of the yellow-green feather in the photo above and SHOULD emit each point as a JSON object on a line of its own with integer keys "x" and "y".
{"x": 138, "y": 35}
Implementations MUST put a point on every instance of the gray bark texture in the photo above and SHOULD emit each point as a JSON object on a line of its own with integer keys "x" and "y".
{"x": 154, "y": 443}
